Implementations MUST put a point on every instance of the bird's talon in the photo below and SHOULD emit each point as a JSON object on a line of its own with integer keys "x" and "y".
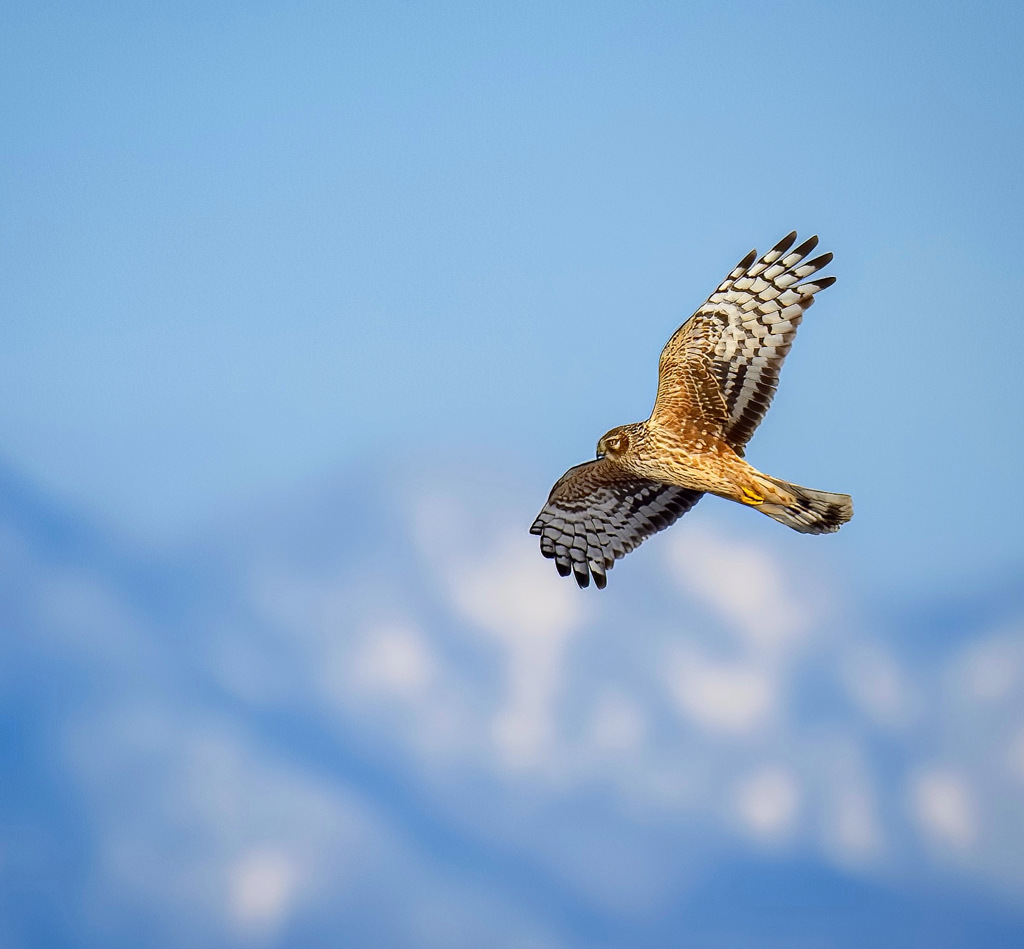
{"x": 751, "y": 497}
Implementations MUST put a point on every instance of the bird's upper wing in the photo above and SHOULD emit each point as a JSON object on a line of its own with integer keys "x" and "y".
{"x": 597, "y": 512}
{"x": 721, "y": 367}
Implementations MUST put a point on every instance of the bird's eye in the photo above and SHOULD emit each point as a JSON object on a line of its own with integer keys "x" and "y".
{"x": 612, "y": 444}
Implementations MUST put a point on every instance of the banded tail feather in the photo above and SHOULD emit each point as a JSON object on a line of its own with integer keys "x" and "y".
{"x": 810, "y": 512}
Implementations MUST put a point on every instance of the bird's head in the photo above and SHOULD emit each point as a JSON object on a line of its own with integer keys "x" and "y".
{"x": 613, "y": 443}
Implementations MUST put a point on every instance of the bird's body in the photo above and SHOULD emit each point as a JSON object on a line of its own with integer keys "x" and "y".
{"x": 717, "y": 375}
{"x": 687, "y": 458}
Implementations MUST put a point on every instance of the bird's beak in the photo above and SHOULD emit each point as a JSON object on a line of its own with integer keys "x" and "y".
{"x": 600, "y": 456}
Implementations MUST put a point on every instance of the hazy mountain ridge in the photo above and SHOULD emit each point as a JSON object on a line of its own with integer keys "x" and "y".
{"x": 295, "y": 731}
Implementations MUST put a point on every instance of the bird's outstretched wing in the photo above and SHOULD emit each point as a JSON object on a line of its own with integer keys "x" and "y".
{"x": 720, "y": 369}
{"x": 598, "y": 512}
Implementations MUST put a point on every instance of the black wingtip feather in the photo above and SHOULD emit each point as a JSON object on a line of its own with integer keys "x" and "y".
{"x": 784, "y": 245}
{"x": 747, "y": 261}
{"x": 807, "y": 246}
{"x": 823, "y": 261}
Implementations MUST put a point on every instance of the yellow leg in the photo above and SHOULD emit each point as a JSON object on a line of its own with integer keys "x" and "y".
{"x": 751, "y": 497}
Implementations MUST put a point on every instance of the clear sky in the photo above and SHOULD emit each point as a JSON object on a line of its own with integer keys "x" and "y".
{"x": 246, "y": 245}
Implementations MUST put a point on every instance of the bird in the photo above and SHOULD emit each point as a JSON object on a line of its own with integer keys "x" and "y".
{"x": 716, "y": 378}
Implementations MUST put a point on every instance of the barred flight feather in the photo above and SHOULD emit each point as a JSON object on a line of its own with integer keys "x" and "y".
{"x": 746, "y": 328}
{"x": 597, "y": 513}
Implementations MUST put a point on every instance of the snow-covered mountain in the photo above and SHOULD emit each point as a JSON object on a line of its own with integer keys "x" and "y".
{"x": 374, "y": 716}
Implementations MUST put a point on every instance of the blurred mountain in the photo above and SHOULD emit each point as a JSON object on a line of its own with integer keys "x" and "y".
{"x": 373, "y": 715}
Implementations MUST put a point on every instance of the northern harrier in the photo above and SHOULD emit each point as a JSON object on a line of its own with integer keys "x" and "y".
{"x": 716, "y": 378}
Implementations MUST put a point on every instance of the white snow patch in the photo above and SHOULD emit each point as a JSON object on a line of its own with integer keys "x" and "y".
{"x": 942, "y": 804}
{"x": 767, "y": 802}
{"x": 875, "y": 681}
{"x": 727, "y": 697}
{"x": 742, "y": 582}
{"x": 262, "y": 889}
{"x": 394, "y": 660}
{"x": 503, "y": 588}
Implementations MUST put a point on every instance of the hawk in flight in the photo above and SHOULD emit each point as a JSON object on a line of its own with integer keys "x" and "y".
{"x": 716, "y": 379}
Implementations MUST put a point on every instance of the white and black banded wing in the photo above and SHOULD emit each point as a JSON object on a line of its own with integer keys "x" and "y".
{"x": 597, "y": 513}
{"x": 746, "y": 328}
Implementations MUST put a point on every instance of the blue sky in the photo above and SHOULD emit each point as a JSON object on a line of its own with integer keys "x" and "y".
{"x": 304, "y": 308}
{"x": 248, "y": 245}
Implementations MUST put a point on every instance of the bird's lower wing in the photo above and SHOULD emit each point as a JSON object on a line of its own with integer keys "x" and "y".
{"x": 597, "y": 513}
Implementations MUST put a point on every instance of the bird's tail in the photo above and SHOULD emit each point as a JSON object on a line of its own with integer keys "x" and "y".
{"x": 806, "y": 510}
